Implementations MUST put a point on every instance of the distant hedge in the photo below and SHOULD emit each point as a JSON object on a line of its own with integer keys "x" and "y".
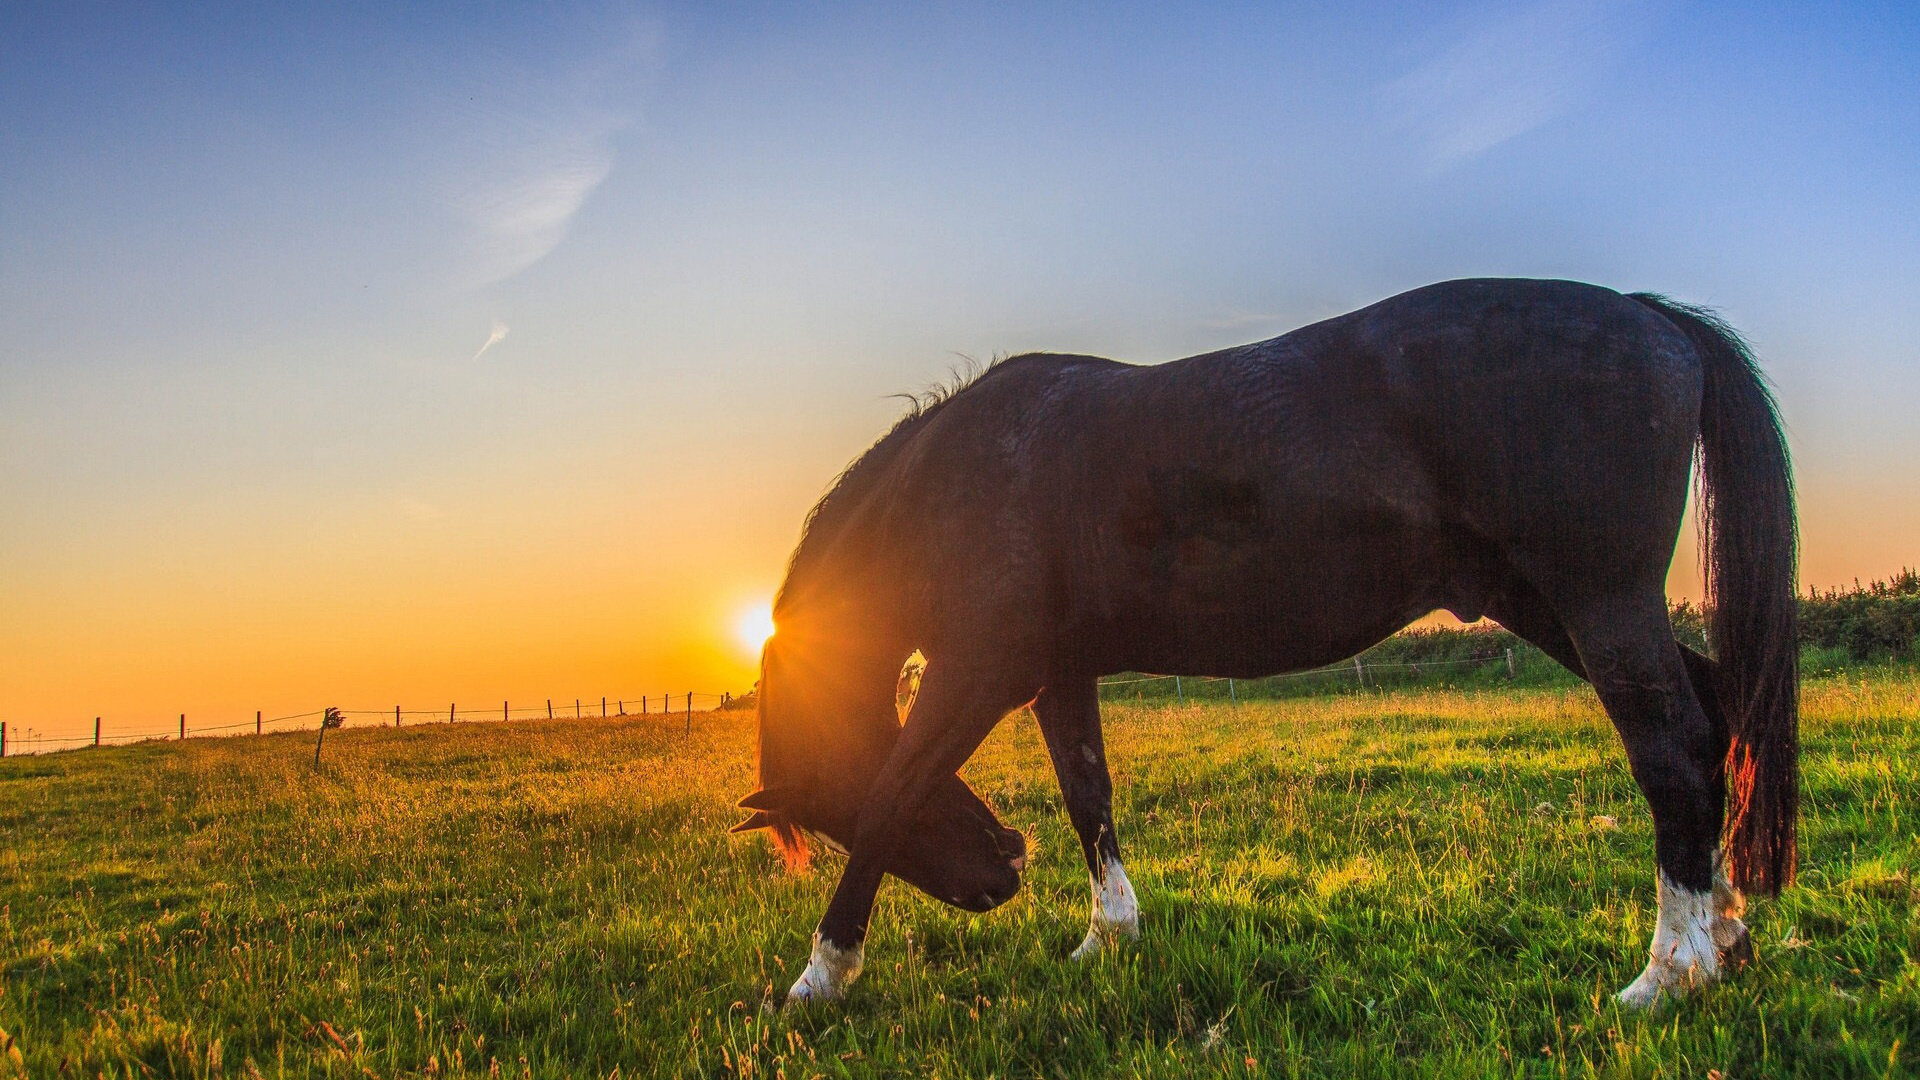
{"x": 1869, "y": 621}
{"x": 1876, "y": 621}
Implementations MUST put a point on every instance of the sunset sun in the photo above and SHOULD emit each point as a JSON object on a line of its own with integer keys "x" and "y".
{"x": 754, "y": 625}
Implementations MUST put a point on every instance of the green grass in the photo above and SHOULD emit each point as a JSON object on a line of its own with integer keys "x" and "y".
{"x": 1399, "y": 883}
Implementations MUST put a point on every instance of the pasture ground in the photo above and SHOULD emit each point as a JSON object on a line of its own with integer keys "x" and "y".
{"x": 1398, "y": 883}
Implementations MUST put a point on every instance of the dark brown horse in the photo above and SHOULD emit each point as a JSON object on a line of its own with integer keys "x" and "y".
{"x": 1514, "y": 449}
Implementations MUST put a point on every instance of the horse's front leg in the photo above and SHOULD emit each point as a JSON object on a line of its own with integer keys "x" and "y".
{"x": 1069, "y": 715}
{"x": 951, "y": 714}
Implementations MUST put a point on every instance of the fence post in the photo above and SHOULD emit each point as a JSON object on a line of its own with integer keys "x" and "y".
{"x": 689, "y": 712}
{"x": 643, "y": 704}
{"x": 396, "y": 716}
{"x": 3, "y": 738}
{"x": 549, "y": 708}
{"x": 183, "y": 725}
{"x": 96, "y": 731}
{"x": 1233, "y": 695}
{"x": 623, "y": 707}
{"x": 1359, "y": 672}
{"x": 450, "y": 713}
{"x": 1510, "y": 671}
{"x": 256, "y": 721}
{"x": 603, "y": 708}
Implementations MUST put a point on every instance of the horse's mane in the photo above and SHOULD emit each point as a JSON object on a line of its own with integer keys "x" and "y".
{"x": 827, "y": 525}
{"x": 829, "y": 518}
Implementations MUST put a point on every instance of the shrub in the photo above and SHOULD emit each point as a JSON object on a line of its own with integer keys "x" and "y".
{"x": 1873, "y": 621}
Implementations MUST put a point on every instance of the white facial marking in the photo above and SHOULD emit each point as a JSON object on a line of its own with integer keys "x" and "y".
{"x": 1694, "y": 930}
{"x": 1116, "y": 913}
{"x": 830, "y": 970}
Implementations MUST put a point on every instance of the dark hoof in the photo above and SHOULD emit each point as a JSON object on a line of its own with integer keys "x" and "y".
{"x": 1739, "y": 954}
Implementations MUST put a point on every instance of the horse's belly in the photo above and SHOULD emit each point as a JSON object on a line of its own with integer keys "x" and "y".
{"x": 1262, "y": 609}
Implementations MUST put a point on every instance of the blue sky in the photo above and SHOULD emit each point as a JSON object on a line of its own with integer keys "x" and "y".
{"x": 348, "y": 312}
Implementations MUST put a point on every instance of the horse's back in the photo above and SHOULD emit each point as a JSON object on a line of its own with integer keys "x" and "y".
{"x": 1397, "y": 456}
{"x": 1549, "y": 417}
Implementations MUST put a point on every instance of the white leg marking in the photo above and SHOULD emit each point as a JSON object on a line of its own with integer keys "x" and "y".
{"x": 830, "y": 970}
{"x": 1694, "y": 933}
{"x": 1116, "y": 913}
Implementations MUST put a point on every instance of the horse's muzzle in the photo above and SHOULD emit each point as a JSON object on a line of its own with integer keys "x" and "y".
{"x": 989, "y": 898}
{"x": 1013, "y": 848}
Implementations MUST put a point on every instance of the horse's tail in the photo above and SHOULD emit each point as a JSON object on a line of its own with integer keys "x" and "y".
{"x": 1749, "y": 547}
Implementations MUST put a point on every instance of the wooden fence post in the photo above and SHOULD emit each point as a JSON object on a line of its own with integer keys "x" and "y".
{"x": 549, "y": 708}
{"x": 183, "y": 725}
{"x": 96, "y": 731}
{"x": 1359, "y": 672}
{"x": 623, "y": 707}
{"x": 504, "y": 715}
{"x": 576, "y": 708}
{"x": 3, "y": 738}
{"x": 256, "y": 721}
{"x": 1179, "y": 693}
{"x": 396, "y": 716}
{"x": 450, "y": 713}
{"x": 1510, "y": 671}
{"x": 1233, "y": 695}
{"x": 643, "y": 704}
{"x": 689, "y": 712}
{"x": 603, "y": 708}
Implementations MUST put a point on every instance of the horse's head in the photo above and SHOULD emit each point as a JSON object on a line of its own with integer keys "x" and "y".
{"x": 818, "y": 755}
{"x": 954, "y": 849}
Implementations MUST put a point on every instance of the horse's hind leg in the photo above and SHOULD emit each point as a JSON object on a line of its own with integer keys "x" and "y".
{"x": 1729, "y": 932}
{"x": 1069, "y": 715}
{"x": 1676, "y": 753}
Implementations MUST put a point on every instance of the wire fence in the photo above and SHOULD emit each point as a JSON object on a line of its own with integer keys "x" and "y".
{"x": 676, "y": 706}
{"x": 1363, "y": 672}
{"x": 685, "y": 704}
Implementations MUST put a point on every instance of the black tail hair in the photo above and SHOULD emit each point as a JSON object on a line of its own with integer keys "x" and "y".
{"x": 1749, "y": 545}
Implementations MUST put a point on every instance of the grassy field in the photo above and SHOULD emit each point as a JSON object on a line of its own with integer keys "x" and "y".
{"x": 1388, "y": 883}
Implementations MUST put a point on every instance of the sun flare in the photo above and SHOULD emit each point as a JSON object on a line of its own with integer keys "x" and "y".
{"x": 753, "y": 626}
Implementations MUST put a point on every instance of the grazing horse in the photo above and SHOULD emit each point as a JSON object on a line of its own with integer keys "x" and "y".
{"x": 1504, "y": 448}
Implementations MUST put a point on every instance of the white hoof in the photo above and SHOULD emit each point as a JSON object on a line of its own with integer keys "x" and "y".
{"x": 830, "y": 970}
{"x": 1698, "y": 937}
{"x": 1116, "y": 913}
{"x": 1109, "y": 936}
{"x": 1661, "y": 979}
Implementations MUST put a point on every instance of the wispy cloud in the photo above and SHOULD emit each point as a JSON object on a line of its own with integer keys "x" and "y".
{"x": 494, "y": 337}
{"x": 535, "y": 146}
{"x": 524, "y": 211}
{"x": 1512, "y": 71}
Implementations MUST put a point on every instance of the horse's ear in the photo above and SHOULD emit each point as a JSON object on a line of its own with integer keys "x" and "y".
{"x": 759, "y": 820}
{"x": 764, "y": 799}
